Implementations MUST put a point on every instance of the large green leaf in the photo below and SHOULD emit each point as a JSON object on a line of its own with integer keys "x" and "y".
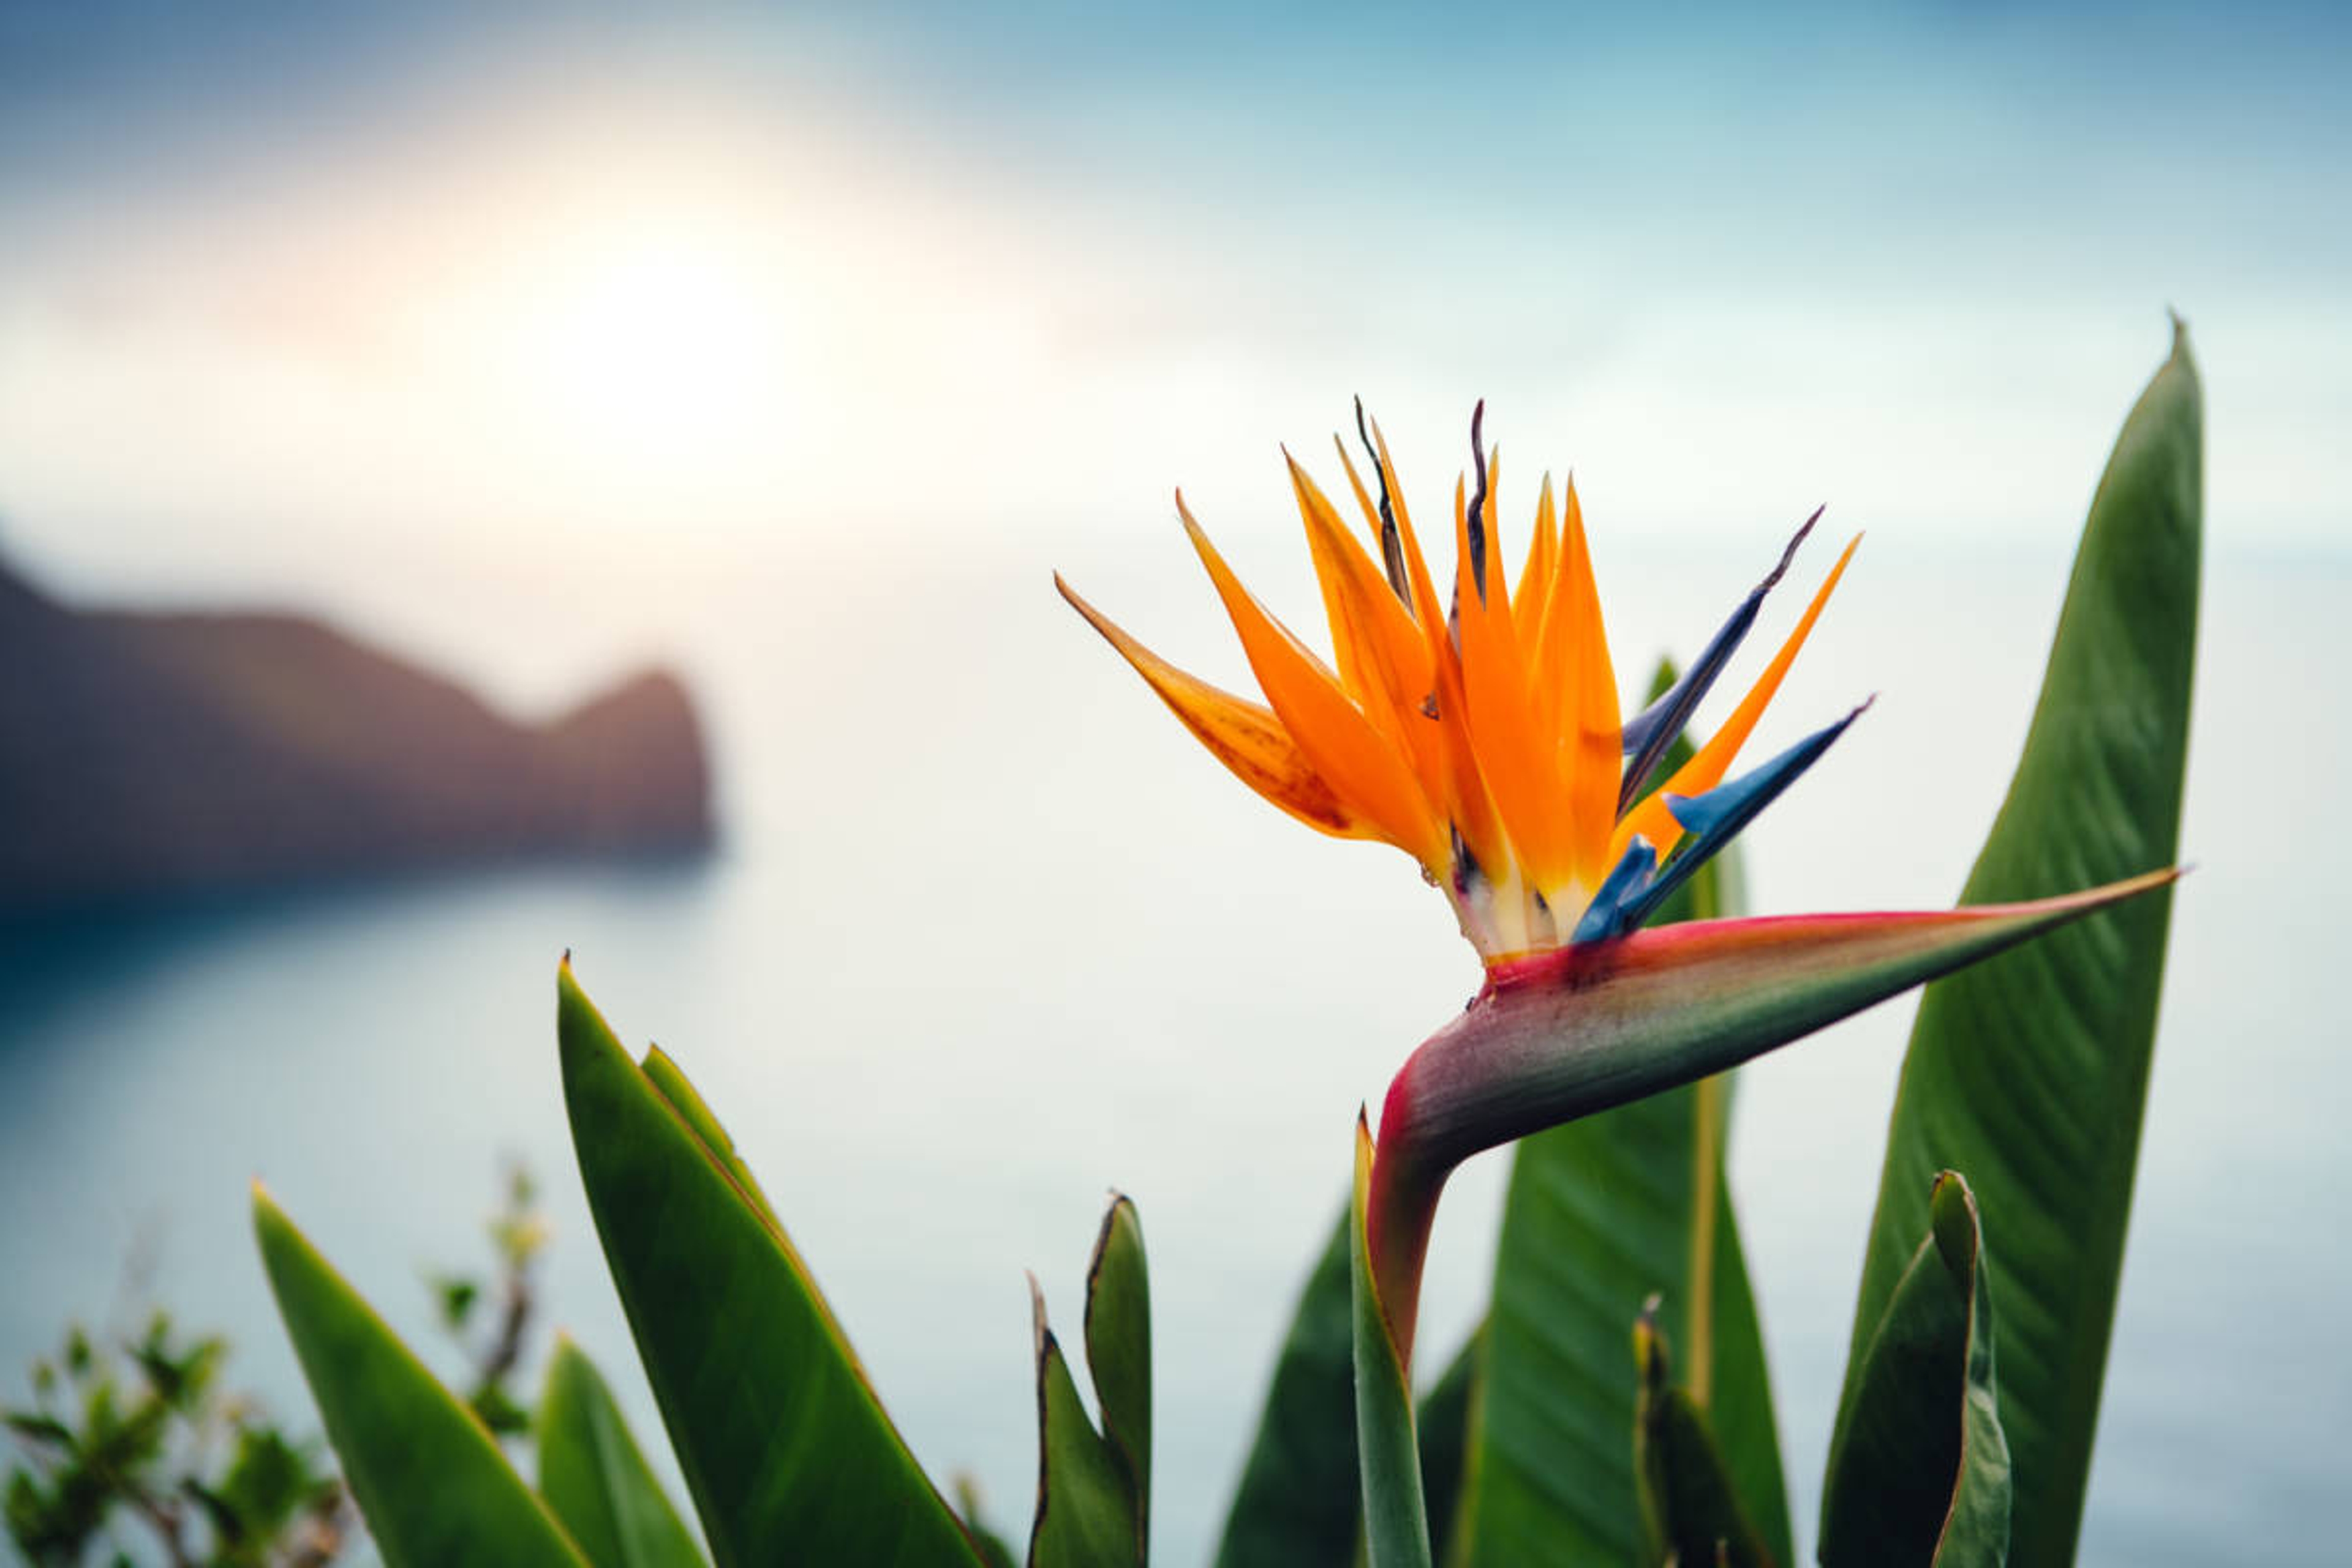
{"x": 1388, "y": 1451}
{"x": 2030, "y": 1072}
{"x": 1919, "y": 1471}
{"x": 788, "y": 1455}
{"x": 435, "y": 1491}
{"x": 1094, "y": 1488}
{"x": 1600, "y": 1216}
{"x": 1298, "y": 1505}
{"x": 593, "y": 1475}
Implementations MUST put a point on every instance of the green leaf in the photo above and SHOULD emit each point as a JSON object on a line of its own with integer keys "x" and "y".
{"x": 1444, "y": 1423}
{"x": 179, "y": 1379}
{"x": 268, "y": 1481}
{"x": 1298, "y": 1506}
{"x": 435, "y": 1488}
{"x": 1388, "y": 1452}
{"x": 1919, "y": 1471}
{"x": 1086, "y": 1511}
{"x": 1119, "y": 1347}
{"x": 593, "y": 1475}
{"x": 1094, "y": 1488}
{"x": 40, "y": 1428}
{"x": 1601, "y": 1215}
{"x": 1690, "y": 1511}
{"x": 496, "y": 1409}
{"x": 457, "y": 1297}
{"x": 2031, "y": 1072}
{"x": 671, "y": 1085}
{"x": 786, "y": 1451}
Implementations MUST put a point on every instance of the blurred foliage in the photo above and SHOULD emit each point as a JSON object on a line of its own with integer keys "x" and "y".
{"x": 137, "y": 1439}
{"x": 495, "y": 1339}
{"x": 131, "y": 1449}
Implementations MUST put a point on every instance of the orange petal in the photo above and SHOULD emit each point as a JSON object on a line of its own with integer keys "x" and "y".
{"x": 1520, "y": 767}
{"x": 1359, "y": 761}
{"x": 1382, "y": 658}
{"x": 1248, "y": 739}
{"x": 1353, "y": 637}
{"x": 1466, "y": 798}
{"x": 1548, "y": 654}
{"x": 1535, "y": 571}
{"x": 1586, "y": 723}
{"x": 1366, "y": 614}
{"x": 1703, "y": 771}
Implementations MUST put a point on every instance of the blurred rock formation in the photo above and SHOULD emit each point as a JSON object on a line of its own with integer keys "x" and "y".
{"x": 148, "y": 753}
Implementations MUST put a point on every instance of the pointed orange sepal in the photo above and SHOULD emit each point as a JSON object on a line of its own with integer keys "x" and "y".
{"x": 1247, "y": 737}
{"x": 1383, "y": 660}
{"x": 1588, "y": 723}
{"x": 1360, "y": 762}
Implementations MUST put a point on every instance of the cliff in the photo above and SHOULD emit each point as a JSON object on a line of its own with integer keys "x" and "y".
{"x": 151, "y": 754}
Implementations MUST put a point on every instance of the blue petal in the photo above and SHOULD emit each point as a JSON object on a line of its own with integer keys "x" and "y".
{"x": 1620, "y": 890}
{"x": 1713, "y": 819}
{"x": 1649, "y": 733}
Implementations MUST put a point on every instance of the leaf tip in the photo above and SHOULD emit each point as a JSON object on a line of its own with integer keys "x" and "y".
{"x": 2182, "y": 355}
{"x": 1954, "y": 1220}
{"x": 1649, "y": 1346}
{"x": 1039, "y": 1334}
{"x": 267, "y": 1213}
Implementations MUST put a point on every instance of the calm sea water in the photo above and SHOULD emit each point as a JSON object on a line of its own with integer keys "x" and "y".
{"x": 987, "y": 938}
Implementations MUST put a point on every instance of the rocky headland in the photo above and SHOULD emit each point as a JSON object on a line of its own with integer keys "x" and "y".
{"x": 153, "y": 753}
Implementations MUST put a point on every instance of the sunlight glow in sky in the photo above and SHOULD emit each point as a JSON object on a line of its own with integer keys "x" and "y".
{"x": 288, "y": 298}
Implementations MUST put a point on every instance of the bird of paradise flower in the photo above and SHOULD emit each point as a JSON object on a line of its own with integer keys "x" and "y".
{"x": 1485, "y": 739}
{"x": 1480, "y": 731}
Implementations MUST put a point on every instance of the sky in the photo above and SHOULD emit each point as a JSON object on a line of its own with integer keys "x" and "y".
{"x": 321, "y": 303}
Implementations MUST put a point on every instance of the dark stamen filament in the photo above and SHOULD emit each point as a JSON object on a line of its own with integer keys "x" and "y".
{"x": 1392, "y": 540}
{"x": 1478, "y": 516}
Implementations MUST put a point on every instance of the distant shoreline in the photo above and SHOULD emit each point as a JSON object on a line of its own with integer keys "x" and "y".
{"x": 150, "y": 756}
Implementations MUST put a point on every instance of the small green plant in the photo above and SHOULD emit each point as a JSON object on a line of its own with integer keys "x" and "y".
{"x": 1615, "y": 1407}
{"x": 136, "y": 1452}
{"x": 138, "y": 1440}
{"x": 490, "y": 1318}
